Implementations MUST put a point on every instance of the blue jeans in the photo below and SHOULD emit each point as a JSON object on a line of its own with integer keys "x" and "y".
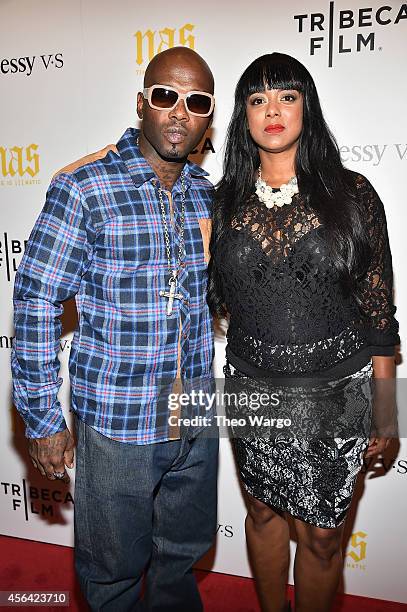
{"x": 143, "y": 507}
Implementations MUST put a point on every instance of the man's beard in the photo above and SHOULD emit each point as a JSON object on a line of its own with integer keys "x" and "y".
{"x": 173, "y": 152}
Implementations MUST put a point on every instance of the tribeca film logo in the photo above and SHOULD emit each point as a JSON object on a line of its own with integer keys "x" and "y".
{"x": 26, "y": 64}
{"x": 357, "y": 551}
{"x": 35, "y": 500}
{"x": 152, "y": 42}
{"x": 344, "y": 31}
{"x": 11, "y": 252}
{"x": 19, "y": 166}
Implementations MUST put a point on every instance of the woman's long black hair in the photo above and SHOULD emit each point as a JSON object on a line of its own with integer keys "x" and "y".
{"x": 325, "y": 185}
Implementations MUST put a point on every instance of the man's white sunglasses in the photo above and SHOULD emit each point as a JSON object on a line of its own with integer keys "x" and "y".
{"x": 162, "y": 97}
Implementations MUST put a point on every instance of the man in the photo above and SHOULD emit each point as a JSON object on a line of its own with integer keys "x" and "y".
{"x": 127, "y": 234}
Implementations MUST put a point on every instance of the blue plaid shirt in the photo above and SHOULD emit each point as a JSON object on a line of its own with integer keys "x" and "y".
{"x": 100, "y": 238}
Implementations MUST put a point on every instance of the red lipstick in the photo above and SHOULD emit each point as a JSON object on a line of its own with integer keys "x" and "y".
{"x": 274, "y": 129}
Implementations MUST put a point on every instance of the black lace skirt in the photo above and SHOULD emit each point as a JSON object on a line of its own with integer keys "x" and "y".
{"x": 301, "y": 448}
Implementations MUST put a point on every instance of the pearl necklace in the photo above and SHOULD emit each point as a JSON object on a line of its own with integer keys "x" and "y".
{"x": 271, "y": 198}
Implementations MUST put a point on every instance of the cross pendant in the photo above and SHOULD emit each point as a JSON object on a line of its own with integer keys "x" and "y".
{"x": 171, "y": 295}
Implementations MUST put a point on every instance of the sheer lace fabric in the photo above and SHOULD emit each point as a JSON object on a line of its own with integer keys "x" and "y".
{"x": 288, "y": 310}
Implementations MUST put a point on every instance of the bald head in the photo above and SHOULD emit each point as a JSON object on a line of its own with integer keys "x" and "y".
{"x": 172, "y": 133}
{"x": 180, "y": 60}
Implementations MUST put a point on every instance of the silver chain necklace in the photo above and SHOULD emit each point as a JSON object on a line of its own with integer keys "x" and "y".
{"x": 171, "y": 294}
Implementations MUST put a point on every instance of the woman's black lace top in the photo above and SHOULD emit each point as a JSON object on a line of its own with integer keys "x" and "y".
{"x": 289, "y": 314}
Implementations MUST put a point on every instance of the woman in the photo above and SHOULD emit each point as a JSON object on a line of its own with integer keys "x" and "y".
{"x": 301, "y": 265}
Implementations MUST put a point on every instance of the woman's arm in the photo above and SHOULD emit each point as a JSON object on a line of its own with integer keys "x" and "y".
{"x": 384, "y": 404}
{"x": 376, "y": 301}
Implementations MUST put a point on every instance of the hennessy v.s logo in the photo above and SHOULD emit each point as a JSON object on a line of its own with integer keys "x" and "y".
{"x": 151, "y": 42}
{"x": 27, "y": 64}
{"x": 52, "y": 60}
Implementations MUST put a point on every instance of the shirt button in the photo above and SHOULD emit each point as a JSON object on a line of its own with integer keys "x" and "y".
{"x": 184, "y": 335}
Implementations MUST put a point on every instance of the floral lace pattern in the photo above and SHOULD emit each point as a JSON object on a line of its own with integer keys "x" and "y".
{"x": 309, "y": 469}
{"x": 288, "y": 311}
{"x": 289, "y": 315}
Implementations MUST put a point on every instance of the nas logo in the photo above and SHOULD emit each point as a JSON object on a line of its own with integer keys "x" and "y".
{"x": 151, "y": 42}
{"x": 347, "y": 30}
{"x": 19, "y": 162}
{"x": 357, "y": 550}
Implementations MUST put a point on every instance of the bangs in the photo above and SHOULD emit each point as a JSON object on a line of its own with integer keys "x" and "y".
{"x": 273, "y": 71}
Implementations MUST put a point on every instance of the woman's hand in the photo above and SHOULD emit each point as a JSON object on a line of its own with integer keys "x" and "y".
{"x": 384, "y": 405}
{"x": 377, "y": 446}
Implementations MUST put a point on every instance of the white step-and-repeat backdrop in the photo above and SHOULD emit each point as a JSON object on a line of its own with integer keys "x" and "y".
{"x": 69, "y": 74}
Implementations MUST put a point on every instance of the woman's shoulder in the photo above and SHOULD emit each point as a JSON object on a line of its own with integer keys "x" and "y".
{"x": 358, "y": 180}
{"x": 364, "y": 190}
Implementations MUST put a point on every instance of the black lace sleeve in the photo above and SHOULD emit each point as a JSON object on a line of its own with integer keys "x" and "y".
{"x": 376, "y": 288}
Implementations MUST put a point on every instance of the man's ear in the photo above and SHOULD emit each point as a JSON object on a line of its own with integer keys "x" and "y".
{"x": 140, "y": 104}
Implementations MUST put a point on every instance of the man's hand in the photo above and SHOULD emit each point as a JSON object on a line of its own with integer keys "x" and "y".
{"x": 51, "y": 455}
{"x": 377, "y": 446}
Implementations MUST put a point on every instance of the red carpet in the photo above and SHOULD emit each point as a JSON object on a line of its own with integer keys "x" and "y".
{"x": 27, "y": 565}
